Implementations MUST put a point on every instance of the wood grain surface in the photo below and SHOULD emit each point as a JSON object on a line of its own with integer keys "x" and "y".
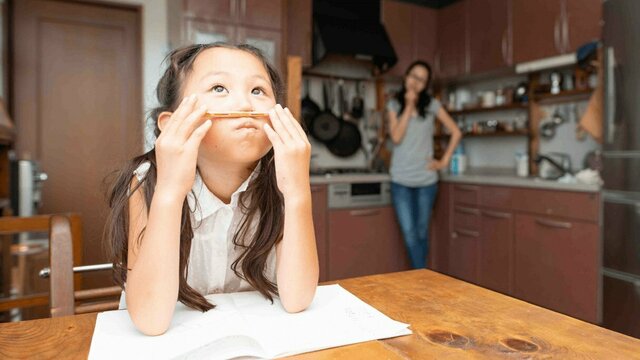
{"x": 450, "y": 319}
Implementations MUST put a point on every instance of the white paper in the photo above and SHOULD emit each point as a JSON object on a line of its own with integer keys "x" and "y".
{"x": 246, "y": 324}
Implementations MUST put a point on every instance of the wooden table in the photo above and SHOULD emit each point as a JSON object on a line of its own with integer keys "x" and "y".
{"x": 449, "y": 318}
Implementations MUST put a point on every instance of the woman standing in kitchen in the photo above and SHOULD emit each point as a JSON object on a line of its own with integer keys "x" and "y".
{"x": 414, "y": 171}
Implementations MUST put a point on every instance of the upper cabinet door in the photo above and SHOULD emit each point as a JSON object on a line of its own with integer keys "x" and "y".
{"x": 261, "y": 13}
{"x": 489, "y": 35}
{"x": 537, "y": 29}
{"x": 583, "y": 23}
{"x": 425, "y": 28}
{"x": 220, "y": 10}
{"x": 203, "y": 32}
{"x": 451, "y": 59}
{"x": 300, "y": 30}
{"x": 269, "y": 42}
{"x": 396, "y": 17}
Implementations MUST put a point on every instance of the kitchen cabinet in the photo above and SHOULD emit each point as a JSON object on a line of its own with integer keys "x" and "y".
{"x": 300, "y": 30}
{"x": 557, "y": 264}
{"x": 546, "y": 28}
{"x": 489, "y": 35}
{"x": 319, "y": 213}
{"x": 364, "y": 241}
{"x": 413, "y": 33}
{"x": 539, "y": 245}
{"x": 452, "y": 56}
{"x": 440, "y": 230}
{"x": 258, "y": 13}
{"x": 258, "y": 23}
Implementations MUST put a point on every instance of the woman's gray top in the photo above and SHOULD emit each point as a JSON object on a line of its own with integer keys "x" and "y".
{"x": 411, "y": 156}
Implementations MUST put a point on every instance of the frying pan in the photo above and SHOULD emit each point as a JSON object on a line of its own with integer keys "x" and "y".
{"x": 348, "y": 141}
{"x": 325, "y": 126}
{"x": 309, "y": 109}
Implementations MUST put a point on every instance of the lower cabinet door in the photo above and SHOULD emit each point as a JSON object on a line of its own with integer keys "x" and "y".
{"x": 557, "y": 265}
{"x": 364, "y": 242}
{"x": 496, "y": 251}
{"x": 463, "y": 254}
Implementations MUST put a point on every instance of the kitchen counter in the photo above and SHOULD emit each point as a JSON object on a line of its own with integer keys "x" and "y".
{"x": 502, "y": 177}
{"x": 349, "y": 178}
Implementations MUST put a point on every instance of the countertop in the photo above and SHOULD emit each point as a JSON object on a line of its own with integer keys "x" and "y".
{"x": 507, "y": 177}
{"x": 449, "y": 318}
{"x": 481, "y": 176}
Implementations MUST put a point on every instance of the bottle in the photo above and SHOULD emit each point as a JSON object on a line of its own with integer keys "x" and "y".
{"x": 522, "y": 164}
{"x": 458, "y": 161}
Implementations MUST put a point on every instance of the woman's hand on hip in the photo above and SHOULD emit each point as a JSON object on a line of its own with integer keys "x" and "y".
{"x": 292, "y": 153}
{"x": 177, "y": 147}
{"x": 436, "y": 165}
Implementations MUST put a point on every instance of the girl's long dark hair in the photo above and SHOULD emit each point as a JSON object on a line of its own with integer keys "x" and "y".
{"x": 424, "y": 99}
{"x": 261, "y": 202}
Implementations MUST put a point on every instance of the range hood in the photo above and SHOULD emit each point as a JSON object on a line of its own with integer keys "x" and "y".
{"x": 349, "y": 39}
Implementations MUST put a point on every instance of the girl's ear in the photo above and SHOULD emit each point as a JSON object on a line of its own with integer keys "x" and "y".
{"x": 163, "y": 118}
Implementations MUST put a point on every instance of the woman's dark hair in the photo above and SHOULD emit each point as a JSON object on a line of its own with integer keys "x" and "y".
{"x": 261, "y": 202}
{"x": 424, "y": 99}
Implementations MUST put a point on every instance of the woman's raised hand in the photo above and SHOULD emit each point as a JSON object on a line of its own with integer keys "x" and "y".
{"x": 177, "y": 147}
{"x": 292, "y": 152}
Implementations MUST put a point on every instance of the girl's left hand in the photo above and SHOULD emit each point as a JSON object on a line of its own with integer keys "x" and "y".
{"x": 437, "y": 164}
{"x": 292, "y": 153}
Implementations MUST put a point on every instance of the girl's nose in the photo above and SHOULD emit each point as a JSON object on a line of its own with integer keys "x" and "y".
{"x": 243, "y": 103}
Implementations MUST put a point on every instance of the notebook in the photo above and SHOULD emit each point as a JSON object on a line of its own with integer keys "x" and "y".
{"x": 247, "y": 325}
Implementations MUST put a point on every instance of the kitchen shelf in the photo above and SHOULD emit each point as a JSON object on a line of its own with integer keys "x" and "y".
{"x": 488, "y": 134}
{"x": 564, "y": 96}
{"x": 516, "y": 106}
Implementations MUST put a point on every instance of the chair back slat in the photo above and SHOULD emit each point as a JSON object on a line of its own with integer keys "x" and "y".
{"x": 61, "y": 297}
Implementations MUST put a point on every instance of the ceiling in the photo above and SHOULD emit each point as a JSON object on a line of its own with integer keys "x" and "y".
{"x": 436, "y": 4}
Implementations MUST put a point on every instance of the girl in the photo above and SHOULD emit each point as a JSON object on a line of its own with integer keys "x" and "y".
{"x": 219, "y": 205}
{"x": 414, "y": 177}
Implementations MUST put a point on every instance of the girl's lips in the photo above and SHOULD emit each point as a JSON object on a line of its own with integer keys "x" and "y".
{"x": 247, "y": 124}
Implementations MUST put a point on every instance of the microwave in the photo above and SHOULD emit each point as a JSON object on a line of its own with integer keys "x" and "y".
{"x": 358, "y": 194}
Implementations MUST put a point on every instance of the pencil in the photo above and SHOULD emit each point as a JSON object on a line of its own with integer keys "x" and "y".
{"x": 236, "y": 114}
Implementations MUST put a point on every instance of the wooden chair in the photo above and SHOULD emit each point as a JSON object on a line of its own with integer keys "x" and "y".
{"x": 65, "y": 240}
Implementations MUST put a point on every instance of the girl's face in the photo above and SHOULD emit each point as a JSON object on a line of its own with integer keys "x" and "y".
{"x": 416, "y": 79}
{"x": 232, "y": 80}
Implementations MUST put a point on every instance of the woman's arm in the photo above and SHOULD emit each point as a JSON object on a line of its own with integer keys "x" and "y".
{"x": 398, "y": 125}
{"x": 446, "y": 120}
{"x": 296, "y": 255}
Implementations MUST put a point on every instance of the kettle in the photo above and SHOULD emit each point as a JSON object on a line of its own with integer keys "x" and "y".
{"x": 553, "y": 165}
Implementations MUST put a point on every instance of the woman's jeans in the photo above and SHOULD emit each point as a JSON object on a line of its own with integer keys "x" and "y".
{"x": 413, "y": 207}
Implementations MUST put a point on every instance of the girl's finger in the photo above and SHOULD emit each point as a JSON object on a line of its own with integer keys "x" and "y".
{"x": 190, "y": 106}
{"x": 181, "y": 112}
{"x": 287, "y": 122}
{"x": 198, "y": 134}
{"x": 273, "y": 136}
{"x": 192, "y": 122}
{"x": 296, "y": 124}
{"x": 278, "y": 125}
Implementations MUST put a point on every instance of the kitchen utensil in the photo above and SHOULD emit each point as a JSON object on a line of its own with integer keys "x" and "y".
{"x": 349, "y": 140}
{"x": 308, "y": 108}
{"x": 326, "y": 125}
{"x": 555, "y": 78}
{"x": 520, "y": 94}
{"x": 357, "y": 104}
{"x": 548, "y": 126}
{"x": 553, "y": 165}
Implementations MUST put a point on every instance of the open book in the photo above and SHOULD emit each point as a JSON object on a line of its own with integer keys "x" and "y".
{"x": 246, "y": 324}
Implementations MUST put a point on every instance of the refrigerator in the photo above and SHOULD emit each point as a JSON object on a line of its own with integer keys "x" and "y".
{"x": 621, "y": 167}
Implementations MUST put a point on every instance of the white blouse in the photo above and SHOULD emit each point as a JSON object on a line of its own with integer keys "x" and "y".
{"x": 212, "y": 250}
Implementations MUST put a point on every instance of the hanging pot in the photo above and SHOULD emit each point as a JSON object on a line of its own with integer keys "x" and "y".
{"x": 357, "y": 104}
{"x": 325, "y": 126}
{"x": 308, "y": 108}
{"x": 349, "y": 140}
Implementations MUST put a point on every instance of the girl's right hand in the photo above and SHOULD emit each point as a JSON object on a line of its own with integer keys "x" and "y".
{"x": 410, "y": 98}
{"x": 177, "y": 148}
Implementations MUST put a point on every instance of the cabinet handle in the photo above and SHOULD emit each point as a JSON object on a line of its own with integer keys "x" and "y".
{"x": 504, "y": 47}
{"x": 554, "y": 224}
{"x": 496, "y": 214}
{"x": 556, "y": 35}
{"x": 467, "y": 210}
{"x": 467, "y": 187}
{"x": 565, "y": 32}
{"x": 465, "y": 232}
{"x": 368, "y": 212}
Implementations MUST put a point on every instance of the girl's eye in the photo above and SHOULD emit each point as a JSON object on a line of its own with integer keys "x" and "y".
{"x": 218, "y": 89}
{"x": 257, "y": 91}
